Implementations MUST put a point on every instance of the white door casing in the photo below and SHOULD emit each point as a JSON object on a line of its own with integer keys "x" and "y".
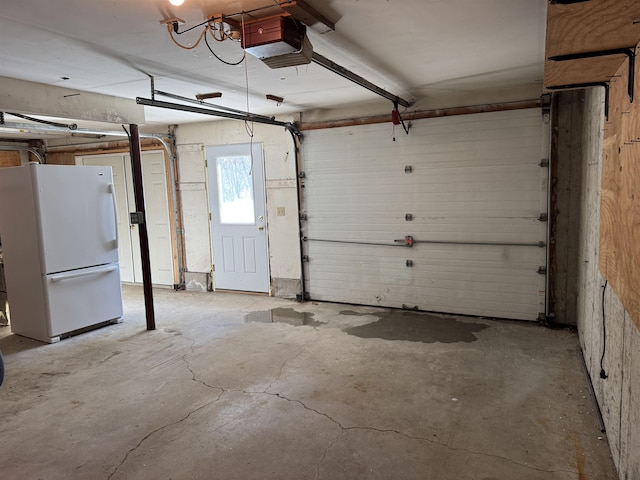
{"x": 157, "y": 215}
{"x": 236, "y": 189}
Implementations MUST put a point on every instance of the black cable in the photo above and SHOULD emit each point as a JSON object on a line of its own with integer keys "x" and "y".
{"x": 603, "y": 373}
{"x": 190, "y": 28}
{"x": 70, "y": 126}
{"x": 220, "y": 59}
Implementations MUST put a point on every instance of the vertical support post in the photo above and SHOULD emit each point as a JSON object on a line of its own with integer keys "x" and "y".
{"x": 136, "y": 164}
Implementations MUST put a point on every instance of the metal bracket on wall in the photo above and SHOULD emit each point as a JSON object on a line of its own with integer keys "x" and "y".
{"x": 629, "y": 52}
{"x": 585, "y": 85}
{"x": 545, "y": 101}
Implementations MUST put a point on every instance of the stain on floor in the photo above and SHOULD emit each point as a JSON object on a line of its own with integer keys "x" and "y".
{"x": 351, "y": 313}
{"x": 283, "y": 315}
{"x": 417, "y": 327}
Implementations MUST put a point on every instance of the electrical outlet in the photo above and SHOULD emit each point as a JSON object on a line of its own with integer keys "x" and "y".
{"x": 280, "y": 211}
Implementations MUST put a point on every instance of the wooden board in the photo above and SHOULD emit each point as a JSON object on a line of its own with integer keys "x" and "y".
{"x": 584, "y": 70}
{"x": 619, "y": 259}
{"x": 9, "y": 159}
{"x": 592, "y": 26}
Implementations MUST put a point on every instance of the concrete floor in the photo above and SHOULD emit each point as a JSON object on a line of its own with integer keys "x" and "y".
{"x": 335, "y": 392}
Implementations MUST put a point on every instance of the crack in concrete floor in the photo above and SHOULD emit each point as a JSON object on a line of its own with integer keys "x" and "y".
{"x": 343, "y": 429}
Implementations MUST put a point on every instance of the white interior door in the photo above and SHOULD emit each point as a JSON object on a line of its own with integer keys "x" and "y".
{"x": 235, "y": 175}
{"x": 157, "y": 214}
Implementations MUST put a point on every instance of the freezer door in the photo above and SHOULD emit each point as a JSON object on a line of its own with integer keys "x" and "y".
{"x": 75, "y": 206}
{"x": 82, "y": 298}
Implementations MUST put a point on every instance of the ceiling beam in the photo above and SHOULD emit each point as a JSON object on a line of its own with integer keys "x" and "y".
{"x": 39, "y": 99}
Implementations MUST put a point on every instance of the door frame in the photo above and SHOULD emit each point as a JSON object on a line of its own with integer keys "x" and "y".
{"x": 258, "y": 195}
{"x": 123, "y": 153}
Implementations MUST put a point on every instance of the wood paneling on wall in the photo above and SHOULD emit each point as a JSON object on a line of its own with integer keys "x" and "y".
{"x": 620, "y": 202}
{"x": 591, "y": 26}
{"x": 594, "y": 26}
{"x": 9, "y": 159}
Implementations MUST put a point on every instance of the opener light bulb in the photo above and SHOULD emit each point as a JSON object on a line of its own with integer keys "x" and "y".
{"x": 177, "y": 3}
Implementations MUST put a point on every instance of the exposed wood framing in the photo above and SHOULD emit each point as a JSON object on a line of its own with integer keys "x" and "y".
{"x": 585, "y": 70}
{"x": 591, "y": 26}
{"x": 408, "y": 116}
{"x": 594, "y": 26}
{"x": 619, "y": 258}
{"x": 9, "y": 159}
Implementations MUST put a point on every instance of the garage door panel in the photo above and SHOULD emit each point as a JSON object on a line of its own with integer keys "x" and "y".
{"x": 441, "y": 281}
{"x": 523, "y": 260}
{"x": 474, "y": 178}
{"x": 474, "y": 126}
{"x": 513, "y": 308}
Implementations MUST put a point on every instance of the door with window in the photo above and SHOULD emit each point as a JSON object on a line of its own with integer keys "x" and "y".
{"x": 157, "y": 213}
{"x": 235, "y": 175}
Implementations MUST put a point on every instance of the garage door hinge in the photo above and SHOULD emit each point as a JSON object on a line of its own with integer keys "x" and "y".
{"x": 544, "y": 162}
{"x": 542, "y": 270}
{"x": 543, "y": 217}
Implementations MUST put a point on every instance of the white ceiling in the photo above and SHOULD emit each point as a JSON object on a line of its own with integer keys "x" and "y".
{"x": 434, "y": 52}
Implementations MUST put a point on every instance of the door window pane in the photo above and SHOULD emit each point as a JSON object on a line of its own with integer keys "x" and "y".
{"x": 235, "y": 190}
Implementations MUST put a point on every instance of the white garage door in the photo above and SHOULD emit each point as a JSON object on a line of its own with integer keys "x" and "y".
{"x": 467, "y": 192}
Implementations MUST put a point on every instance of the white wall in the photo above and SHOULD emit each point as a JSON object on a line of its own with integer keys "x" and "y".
{"x": 619, "y": 394}
{"x": 280, "y": 175}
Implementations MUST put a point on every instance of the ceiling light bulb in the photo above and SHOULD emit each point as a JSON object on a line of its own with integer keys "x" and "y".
{"x": 177, "y": 3}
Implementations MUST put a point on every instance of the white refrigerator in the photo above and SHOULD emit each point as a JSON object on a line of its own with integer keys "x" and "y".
{"x": 60, "y": 245}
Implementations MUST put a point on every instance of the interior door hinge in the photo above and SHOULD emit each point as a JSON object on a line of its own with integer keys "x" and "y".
{"x": 206, "y": 164}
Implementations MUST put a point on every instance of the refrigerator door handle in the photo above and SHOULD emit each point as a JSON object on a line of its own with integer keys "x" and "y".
{"x": 56, "y": 277}
{"x": 112, "y": 189}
